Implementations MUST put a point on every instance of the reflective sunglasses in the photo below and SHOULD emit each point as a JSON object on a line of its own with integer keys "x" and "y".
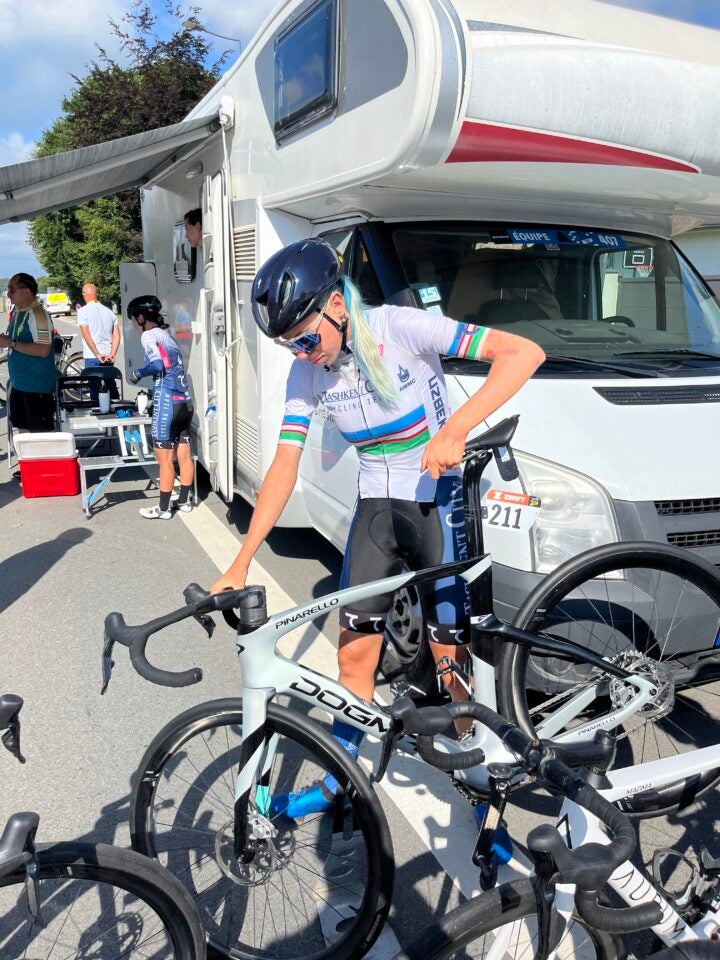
{"x": 304, "y": 342}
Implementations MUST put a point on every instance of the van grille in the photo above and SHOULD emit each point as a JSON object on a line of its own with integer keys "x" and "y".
{"x": 246, "y": 443}
{"x": 697, "y": 538}
{"x": 644, "y": 396}
{"x": 244, "y": 253}
{"x": 673, "y": 508}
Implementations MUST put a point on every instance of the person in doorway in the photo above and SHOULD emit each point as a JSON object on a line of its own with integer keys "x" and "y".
{"x": 31, "y": 360}
{"x": 193, "y": 227}
{"x": 101, "y": 338}
{"x": 378, "y": 373}
{"x": 172, "y": 405}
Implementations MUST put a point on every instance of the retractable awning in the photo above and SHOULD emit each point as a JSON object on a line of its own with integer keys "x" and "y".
{"x": 66, "y": 179}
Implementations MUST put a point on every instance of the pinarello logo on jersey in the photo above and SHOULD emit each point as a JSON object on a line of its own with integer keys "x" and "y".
{"x": 381, "y": 349}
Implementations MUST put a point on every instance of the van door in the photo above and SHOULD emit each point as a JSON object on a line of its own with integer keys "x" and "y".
{"x": 218, "y": 310}
{"x": 136, "y": 280}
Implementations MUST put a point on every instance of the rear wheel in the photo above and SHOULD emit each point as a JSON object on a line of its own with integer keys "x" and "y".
{"x": 653, "y": 609}
{"x": 72, "y": 366}
{"x": 319, "y": 888}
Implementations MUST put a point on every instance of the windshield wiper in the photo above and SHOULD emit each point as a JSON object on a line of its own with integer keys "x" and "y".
{"x": 670, "y": 351}
{"x": 626, "y": 369}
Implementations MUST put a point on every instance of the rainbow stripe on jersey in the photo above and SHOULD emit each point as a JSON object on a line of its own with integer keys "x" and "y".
{"x": 294, "y": 430}
{"x": 399, "y": 435}
{"x": 468, "y": 341}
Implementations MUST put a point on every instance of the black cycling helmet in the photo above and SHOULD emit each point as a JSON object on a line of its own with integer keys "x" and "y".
{"x": 149, "y": 306}
{"x": 293, "y": 283}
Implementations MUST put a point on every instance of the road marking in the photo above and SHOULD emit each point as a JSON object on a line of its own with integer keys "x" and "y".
{"x": 442, "y": 819}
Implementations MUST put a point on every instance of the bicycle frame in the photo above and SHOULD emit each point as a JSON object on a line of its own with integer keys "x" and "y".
{"x": 266, "y": 673}
{"x": 577, "y": 826}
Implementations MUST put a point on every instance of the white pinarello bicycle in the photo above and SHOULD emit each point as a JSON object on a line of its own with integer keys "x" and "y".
{"x": 557, "y": 909}
{"x": 619, "y": 639}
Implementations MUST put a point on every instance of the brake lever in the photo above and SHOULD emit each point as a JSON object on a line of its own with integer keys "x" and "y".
{"x": 11, "y": 739}
{"x": 192, "y": 593}
{"x": 388, "y": 747}
{"x": 107, "y": 663}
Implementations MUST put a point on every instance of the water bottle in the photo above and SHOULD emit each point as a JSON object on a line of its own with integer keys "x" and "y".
{"x": 211, "y": 412}
{"x": 104, "y": 398}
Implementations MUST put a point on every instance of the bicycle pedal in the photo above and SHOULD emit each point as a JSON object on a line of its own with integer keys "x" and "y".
{"x": 710, "y": 866}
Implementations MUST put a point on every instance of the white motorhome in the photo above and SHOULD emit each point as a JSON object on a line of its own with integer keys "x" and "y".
{"x": 511, "y": 163}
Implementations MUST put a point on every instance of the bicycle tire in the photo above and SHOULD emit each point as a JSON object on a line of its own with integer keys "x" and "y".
{"x": 578, "y": 586}
{"x": 68, "y": 874}
{"x": 463, "y": 931}
{"x": 210, "y": 732}
{"x": 72, "y": 366}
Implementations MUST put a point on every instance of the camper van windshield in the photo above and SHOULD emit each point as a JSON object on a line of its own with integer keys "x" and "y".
{"x": 590, "y": 295}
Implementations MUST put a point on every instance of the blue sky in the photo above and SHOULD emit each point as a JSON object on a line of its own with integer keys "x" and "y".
{"x": 42, "y": 43}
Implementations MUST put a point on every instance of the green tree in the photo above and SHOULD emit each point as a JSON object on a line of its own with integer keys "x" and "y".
{"x": 157, "y": 83}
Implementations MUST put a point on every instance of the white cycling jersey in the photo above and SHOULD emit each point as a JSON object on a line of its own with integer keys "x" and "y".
{"x": 389, "y": 439}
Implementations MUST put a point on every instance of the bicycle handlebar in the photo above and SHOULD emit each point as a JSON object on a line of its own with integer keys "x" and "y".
{"x": 590, "y": 865}
{"x": 250, "y": 600}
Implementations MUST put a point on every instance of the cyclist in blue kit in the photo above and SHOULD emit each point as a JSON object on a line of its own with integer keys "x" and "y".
{"x": 172, "y": 405}
{"x": 377, "y": 372}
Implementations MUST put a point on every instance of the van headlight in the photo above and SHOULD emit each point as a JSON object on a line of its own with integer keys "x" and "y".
{"x": 575, "y": 512}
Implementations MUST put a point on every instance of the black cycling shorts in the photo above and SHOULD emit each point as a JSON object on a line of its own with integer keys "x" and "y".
{"x": 171, "y": 422}
{"x": 388, "y": 536}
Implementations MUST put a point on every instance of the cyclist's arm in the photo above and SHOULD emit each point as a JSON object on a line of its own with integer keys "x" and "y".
{"x": 274, "y": 494}
{"x": 513, "y": 361}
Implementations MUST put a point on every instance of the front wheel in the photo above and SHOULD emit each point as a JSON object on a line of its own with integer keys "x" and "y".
{"x": 99, "y": 903}
{"x": 318, "y": 889}
{"x": 652, "y": 609}
{"x": 502, "y": 925}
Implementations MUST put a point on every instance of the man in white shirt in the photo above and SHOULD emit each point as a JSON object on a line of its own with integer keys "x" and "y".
{"x": 101, "y": 336}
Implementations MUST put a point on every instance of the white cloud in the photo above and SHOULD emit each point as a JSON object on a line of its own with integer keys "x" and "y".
{"x": 234, "y": 20}
{"x": 14, "y": 148}
{"x": 15, "y": 252}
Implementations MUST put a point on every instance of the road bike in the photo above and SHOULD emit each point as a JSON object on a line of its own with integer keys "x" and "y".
{"x": 80, "y": 900}
{"x": 267, "y": 887}
{"x": 559, "y": 910}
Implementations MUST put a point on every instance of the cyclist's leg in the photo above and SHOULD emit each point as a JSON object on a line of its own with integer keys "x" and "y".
{"x": 371, "y": 546}
{"x": 446, "y": 602}
{"x": 184, "y": 454}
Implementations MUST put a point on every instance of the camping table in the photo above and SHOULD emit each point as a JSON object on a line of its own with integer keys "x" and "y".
{"x": 137, "y": 455}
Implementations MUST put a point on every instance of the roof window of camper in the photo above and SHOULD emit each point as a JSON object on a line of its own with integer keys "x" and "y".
{"x": 306, "y": 69}
{"x": 585, "y": 296}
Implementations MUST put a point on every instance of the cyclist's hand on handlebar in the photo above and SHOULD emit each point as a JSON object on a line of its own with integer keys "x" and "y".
{"x": 232, "y": 581}
{"x": 444, "y": 451}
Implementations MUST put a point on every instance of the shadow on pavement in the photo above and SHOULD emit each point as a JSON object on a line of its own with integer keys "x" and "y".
{"x": 21, "y": 572}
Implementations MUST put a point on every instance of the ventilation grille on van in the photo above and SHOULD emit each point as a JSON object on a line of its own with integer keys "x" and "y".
{"x": 673, "y": 508}
{"x": 246, "y": 444}
{"x": 638, "y": 396}
{"x": 244, "y": 253}
{"x": 698, "y": 538}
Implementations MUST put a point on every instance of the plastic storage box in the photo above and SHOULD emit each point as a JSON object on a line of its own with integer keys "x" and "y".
{"x": 48, "y": 464}
{"x": 50, "y": 478}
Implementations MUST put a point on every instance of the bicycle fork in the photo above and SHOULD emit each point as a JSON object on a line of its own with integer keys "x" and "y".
{"x": 257, "y": 751}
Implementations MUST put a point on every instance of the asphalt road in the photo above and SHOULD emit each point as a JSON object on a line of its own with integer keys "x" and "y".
{"x": 61, "y": 574}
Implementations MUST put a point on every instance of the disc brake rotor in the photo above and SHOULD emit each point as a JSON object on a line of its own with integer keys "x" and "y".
{"x": 661, "y": 677}
{"x": 263, "y": 864}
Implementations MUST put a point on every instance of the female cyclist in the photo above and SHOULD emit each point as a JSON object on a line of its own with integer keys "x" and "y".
{"x": 378, "y": 373}
{"x": 172, "y": 405}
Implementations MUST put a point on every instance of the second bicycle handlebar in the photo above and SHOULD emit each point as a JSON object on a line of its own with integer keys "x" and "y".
{"x": 588, "y": 866}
